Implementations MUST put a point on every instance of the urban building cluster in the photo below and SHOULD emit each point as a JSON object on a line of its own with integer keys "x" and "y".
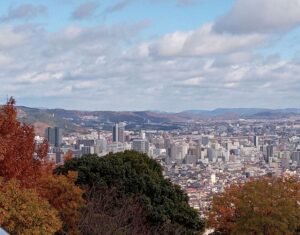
{"x": 202, "y": 157}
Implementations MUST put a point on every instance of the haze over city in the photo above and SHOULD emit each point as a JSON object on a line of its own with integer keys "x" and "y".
{"x": 167, "y": 55}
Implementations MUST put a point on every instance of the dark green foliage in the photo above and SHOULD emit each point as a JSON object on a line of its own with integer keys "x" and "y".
{"x": 137, "y": 176}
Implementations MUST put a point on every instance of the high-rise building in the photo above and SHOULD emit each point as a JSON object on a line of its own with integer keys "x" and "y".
{"x": 54, "y": 136}
{"x": 211, "y": 154}
{"x": 296, "y": 157}
{"x": 255, "y": 141}
{"x": 119, "y": 132}
{"x": 142, "y": 135}
{"x": 140, "y": 145}
{"x": 269, "y": 153}
{"x": 115, "y": 133}
{"x": 49, "y": 134}
{"x": 179, "y": 150}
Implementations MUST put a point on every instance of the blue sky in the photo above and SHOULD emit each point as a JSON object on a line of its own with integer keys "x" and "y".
{"x": 168, "y": 55}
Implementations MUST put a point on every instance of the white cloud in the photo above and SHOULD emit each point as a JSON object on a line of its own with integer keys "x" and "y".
{"x": 102, "y": 67}
{"x": 10, "y": 37}
{"x": 204, "y": 42}
{"x": 5, "y": 60}
{"x": 237, "y": 73}
{"x": 195, "y": 81}
{"x": 250, "y": 16}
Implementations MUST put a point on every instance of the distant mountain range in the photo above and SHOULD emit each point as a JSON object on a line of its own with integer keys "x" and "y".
{"x": 242, "y": 111}
{"x": 79, "y": 121}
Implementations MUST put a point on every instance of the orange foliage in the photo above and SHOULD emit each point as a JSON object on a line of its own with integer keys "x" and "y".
{"x": 267, "y": 206}
{"x": 64, "y": 196}
{"x": 21, "y": 159}
{"x": 17, "y": 148}
{"x": 68, "y": 155}
{"x": 22, "y": 211}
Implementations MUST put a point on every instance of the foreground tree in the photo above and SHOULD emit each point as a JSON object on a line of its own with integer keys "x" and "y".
{"x": 268, "y": 206}
{"x": 22, "y": 211}
{"x": 107, "y": 213}
{"x": 138, "y": 183}
{"x": 22, "y": 160}
{"x": 17, "y": 148}
{"x": 65, "y": 197}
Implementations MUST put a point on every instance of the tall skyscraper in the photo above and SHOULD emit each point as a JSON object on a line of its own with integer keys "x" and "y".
{"x": 119, "y": 132}
{"x": 269, "y": 153}
{"x": 255, "y": 141}
{"x": 116, "y": 133}
{"x": 54, "y": 136}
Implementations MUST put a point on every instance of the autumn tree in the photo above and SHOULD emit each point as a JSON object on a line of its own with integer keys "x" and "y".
{"x": 68, "y": 155}
{"x": 268, "y": 206}
{"x": 22, "y": 160}
{"x": 17, "y": 148}
{"x": 65, "y": 196}
{"x": 23, "y": 212}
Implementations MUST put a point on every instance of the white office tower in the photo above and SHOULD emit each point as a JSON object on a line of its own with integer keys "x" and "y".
{"x": 179, "y": 150}
{"x": 226, "y": 155}
{"x": 213, "y": 179}
{"x": 142, "y": 135}
{"x": 101, "y": 146}
{"x": 285, "y": 163}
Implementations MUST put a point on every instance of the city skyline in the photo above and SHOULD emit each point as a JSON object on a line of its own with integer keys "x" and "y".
{"x": 168, "y": 55}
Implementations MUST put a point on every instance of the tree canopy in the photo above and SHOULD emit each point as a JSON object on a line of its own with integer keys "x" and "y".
{"x": 268, "y": 206}
{"x": 23, "y": 168}
{"x": 22, "y": 211}
{"x": 139, "y": 179}
{"x": 17, "y": 148}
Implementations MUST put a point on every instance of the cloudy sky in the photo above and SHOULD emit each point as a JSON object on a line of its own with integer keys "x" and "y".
{"x": 168, "y": 55}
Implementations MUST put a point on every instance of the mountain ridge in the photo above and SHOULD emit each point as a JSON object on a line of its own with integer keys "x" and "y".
{"x": 79, "y": 121}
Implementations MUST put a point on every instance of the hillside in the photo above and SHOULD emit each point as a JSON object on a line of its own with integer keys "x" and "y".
{"x": 80, "y": 121}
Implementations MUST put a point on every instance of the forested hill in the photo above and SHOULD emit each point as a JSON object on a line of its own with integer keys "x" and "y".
{"x": 76, "y": 121}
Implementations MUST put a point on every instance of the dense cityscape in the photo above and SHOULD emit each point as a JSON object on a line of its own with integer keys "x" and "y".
{"x": 203, "y": 158}
{"x": 150, "y": 117}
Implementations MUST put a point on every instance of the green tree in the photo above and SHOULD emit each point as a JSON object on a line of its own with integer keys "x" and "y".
{"x": 268, "y": 206}
{"x": 140, "y": 179}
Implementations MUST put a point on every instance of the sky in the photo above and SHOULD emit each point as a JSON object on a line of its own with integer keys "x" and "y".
{"x": 167, "y": 55}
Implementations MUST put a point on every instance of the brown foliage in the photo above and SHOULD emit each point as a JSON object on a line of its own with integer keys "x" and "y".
{"x": 68, "y": 155}
{"x": 22, "y": 211}
{"x": 21, "y": 159}
{"x": 267, "y": 206}
{"x": 17, "y": 148}
{"x": 65, "y": 196}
